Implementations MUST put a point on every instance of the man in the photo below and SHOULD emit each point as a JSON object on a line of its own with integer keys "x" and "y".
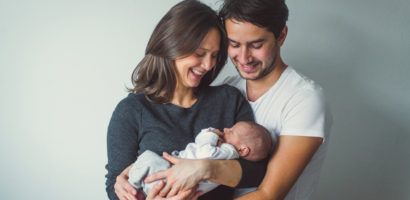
{"x": 288, "y": 104}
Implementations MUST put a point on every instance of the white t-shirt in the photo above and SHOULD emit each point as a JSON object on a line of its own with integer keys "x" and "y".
{"x": 293, "y": 106}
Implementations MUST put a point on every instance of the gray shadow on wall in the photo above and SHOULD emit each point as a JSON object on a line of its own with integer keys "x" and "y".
{"x": 368, "y": 155}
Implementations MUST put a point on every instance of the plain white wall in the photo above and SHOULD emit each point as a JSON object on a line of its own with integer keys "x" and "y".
{"x": 64, "y": 66}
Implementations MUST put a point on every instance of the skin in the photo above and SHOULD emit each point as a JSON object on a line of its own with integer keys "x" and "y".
{"x": 254, "y": 51}
{"x": 234, "y": 136}
{"x": 189, "y": 69}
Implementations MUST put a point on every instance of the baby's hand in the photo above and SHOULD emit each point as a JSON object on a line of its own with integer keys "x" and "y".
{"x": 220, "y": 141}
{"x": 220, "y": 138}
{"x": 218, "y": 132}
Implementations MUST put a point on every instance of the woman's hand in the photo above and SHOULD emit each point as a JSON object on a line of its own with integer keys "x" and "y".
{"x": 184, "y": 175}
{"x": 124, "y": 189}
{"x": 153, "y": 194}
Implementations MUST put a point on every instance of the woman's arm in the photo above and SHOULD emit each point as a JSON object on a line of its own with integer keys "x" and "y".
{"x": 292, "y": 155}
{"x": 122, "y": 146}
{"x": 186, "y": 173}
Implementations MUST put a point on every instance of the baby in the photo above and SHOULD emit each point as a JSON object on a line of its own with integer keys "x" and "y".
{"x": 247, "y": 140}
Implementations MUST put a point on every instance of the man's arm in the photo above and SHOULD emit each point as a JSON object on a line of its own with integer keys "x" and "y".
{"x": 290, "y": 158}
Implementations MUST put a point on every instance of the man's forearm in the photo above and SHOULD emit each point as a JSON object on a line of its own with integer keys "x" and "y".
{"x": 257, "y": 194}
{"x": 292, "y": 155}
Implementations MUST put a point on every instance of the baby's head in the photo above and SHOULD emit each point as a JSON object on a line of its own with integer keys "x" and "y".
{"x": 252, "y": 141}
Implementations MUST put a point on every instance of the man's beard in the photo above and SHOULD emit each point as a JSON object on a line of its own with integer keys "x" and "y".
{"x": 261, "y": 74}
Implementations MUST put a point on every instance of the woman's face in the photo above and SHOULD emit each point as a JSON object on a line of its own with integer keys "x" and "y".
{"x": 192, "y": 68}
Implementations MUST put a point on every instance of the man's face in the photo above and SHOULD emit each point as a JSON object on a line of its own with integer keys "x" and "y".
{"x": 253, "y": 50}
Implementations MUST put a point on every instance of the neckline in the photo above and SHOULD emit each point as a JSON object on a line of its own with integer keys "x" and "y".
{"x": 277, "y": 84}
{"x": 176, "y": 107}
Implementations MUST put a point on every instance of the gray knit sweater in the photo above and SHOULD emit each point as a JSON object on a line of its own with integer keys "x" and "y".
{"x": 138, "y": 125}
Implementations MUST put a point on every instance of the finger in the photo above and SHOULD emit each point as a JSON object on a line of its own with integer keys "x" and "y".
{"x": 122, "y": 194}
{"x": 131, "y": 197}
{"x": 156, "y": 176}
{"x": 182, "y": 195}
{"x": 218, "y": 132}
{"x": 193, "y": 192}
{"x": 197, "y": 194}
{"x": 126, "y": 188}
{"x": 155, "y": 190}
{"x": 165, "y": 190}
{"x": 173, "y": 192}
{"x": 130, "y": 189}
{"x": 120, "y": 191}
{"x": 171, "y": 159}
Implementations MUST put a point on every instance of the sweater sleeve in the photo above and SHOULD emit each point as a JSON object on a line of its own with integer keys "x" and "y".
{"x": 122, "y": 143}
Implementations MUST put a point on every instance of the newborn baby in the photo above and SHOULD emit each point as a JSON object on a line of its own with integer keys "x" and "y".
{"x": 247, "y": 140}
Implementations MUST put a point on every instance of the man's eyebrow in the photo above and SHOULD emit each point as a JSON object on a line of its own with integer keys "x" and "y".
{"x": 232, "y": 40}
{"x": 256, "y": 41}
{"x": 251, "y": 42}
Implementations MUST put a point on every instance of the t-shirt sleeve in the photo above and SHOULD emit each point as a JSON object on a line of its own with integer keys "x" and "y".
{"x": 122, "y": 143}
{"x": 304, "y": 115}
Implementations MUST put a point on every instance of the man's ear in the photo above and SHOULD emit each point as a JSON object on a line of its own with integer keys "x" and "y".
{"x": 282, "y": 36}
{"x": 243, "y": 151}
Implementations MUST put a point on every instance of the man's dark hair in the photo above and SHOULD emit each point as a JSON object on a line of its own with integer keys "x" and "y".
{"x": 269, "y": 14}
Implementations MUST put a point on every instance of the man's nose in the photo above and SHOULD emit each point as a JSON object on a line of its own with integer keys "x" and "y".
{"x": 244, "y": 56}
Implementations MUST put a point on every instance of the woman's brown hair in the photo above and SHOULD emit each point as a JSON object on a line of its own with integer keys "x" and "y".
{"x": 178, "y": 34}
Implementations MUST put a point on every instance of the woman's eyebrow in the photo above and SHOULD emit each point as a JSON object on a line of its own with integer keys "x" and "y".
{"x": 202, "y": 48}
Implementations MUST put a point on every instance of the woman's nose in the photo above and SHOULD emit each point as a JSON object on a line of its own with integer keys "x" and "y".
{"x": 207, "y": 63}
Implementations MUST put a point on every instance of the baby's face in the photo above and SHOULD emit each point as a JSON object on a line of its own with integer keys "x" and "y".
{"x": 232, "y": 135}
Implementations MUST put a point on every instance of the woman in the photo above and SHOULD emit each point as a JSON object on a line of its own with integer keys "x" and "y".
{"x": 172, "y": 100}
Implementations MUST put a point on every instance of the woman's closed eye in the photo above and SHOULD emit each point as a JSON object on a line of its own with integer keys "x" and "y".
{"x": 200, "y": 54}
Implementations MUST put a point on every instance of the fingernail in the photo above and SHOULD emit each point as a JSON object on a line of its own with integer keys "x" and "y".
{"x": 134, "y": 192}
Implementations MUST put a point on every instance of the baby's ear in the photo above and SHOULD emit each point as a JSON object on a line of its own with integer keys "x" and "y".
{"x": 243, "y": 151}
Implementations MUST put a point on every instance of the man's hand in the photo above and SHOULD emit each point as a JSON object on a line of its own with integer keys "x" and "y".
{"x": 184, "y": 175}
{"x": 124, "y": 190}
